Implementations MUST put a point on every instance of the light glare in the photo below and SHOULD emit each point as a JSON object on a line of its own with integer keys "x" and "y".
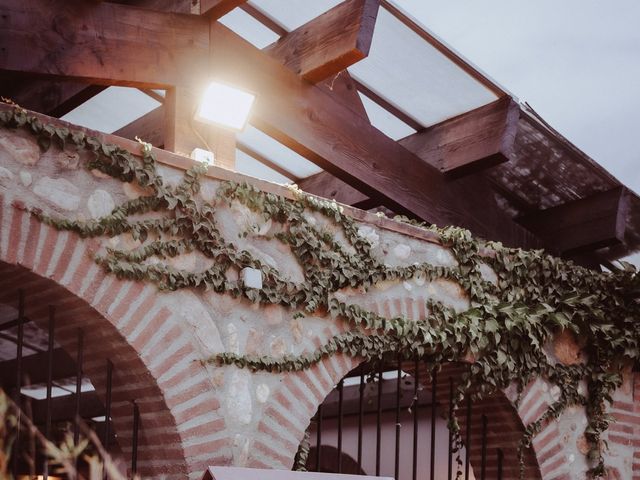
{"x": 225, "y": 105}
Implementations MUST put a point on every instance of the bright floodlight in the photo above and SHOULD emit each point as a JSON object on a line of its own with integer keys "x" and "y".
{"x": 225, "y": 105}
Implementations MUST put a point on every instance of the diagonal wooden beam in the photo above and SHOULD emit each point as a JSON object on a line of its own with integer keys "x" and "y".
{"x": 148, "y": 127}
{"x": 469, "y": 142}
{"x": 215, "y": 9}
{"x": 326, "y": 185}
{"x": 330, "y": 42}
{"x": 581, "y": 225}
{"x": 103, "y": 43}
{"x": 312, "y": 123}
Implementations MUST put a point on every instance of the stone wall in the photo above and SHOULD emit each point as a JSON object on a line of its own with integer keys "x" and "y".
{"x": 159, "y": 339}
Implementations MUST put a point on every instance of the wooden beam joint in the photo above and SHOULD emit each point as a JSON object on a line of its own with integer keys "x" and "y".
{"x": 582, "y": 225}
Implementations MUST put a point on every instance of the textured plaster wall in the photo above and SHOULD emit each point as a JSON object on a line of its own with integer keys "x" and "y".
{"x": 258, "y": 418}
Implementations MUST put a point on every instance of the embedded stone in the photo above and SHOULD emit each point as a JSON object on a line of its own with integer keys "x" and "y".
{"x": 583, "y": 444}
{"x": 25, "y": 178}
{"x": 22, "y": 150}
{"x": 98, "y": 173}
{"x": 59, "y": 192}
{"x": 240, "y": 450}
{"x": 407, "y": 286}
{"x": 369, "y": 234}
{"x": 68, "y": 160}
{"x": 487, "y": 274}
{"x": 273, "y": 314}
{"x": 566, "y": 348}
{"x": 6, "y": 176}
{"x": 186, "y": 261}
{"x": 231, "y": 339}
{"x": 238, "y": 398}
{"x": 100, "y": 204}
{"x": 262, "y": 393}
{"x": 278, "y": 347}
{"x": 296, "y": 330}
{"x": 251, "y": 277}
{"x": 402, "y": 251}
{"x": 254, "y": 340}
{"x": 133, "y": 190}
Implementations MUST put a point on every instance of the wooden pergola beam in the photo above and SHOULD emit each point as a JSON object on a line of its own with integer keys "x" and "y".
{"x": 329, "y": 43}
{"x": 582, "y": 225}
{"x": 103, "y": 43}
{"x": 469, "y": 142}
{"x": 326, "y": 185}
{"x": 323, "y": 130}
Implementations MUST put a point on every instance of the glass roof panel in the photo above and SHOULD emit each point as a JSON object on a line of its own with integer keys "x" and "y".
{"x": 413, "y": 75}
{"x": 105, "y": 111}
{"x": 276, "y": 152}
{"x": 384, "y": 120}
{"x": 249, "y": 28}
{"x": 292, "y": 14}
{"x": 250, "y": 166}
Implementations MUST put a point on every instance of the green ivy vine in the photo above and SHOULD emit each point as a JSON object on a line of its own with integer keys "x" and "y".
{"x": 505, "y": 331}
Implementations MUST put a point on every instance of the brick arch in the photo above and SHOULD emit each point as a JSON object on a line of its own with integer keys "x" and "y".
{"x": 295, "y": 402}
{"x": 155, "y": 361}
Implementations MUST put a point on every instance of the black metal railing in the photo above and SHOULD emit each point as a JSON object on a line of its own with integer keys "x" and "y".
{"x": 354, "y": 399}
{"x": 39, "y": 464}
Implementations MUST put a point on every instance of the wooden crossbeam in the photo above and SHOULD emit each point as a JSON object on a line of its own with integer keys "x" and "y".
{"x": 103, "y": 43}
{"x": 469, "y": 142}
{"x": 174, "y": 49}
{"x": 581, "y": 225}
{"x": 330, "y": 42}
{"x": 149, "y": 127}
{"x": 218, "y": 8}
{"x": 326, "y": 185}
{"x": 323, "y": 130}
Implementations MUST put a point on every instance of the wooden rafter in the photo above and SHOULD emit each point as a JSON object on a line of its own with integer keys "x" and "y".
{"x": 330, "y": 42}
{"x": 474, "y": 140}
{"x": 103, "y": 43}
{"x": 581, "y": 225}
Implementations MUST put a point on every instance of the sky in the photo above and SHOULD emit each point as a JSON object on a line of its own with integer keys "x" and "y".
{"x": 576, "y": 62}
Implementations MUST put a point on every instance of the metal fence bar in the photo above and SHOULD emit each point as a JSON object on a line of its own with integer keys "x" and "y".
{"x": 16, "y": 398}
{"x": 416, "y": 381}
{"x": 360, "y": 418}
{"x": 379, "y": 421}
{"x": 398, "y": 389}
{"x": 134, "y": 440}
{"x": 47, "y": 424}
{"x": 450, "y": 450}
{"x": 79, "y": 360}
{"x": 483, "y": 462}
{"x": 467, "y": 443}
{"x": 434, "y": 388}
{"x": 319, "y": 438}
{"x": 500, "y": 460}
{"x": 107, "y": 415}
{"x": 340, "y": 414}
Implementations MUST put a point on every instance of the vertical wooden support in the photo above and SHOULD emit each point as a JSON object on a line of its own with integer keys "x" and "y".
{"x": 182, "y": 133}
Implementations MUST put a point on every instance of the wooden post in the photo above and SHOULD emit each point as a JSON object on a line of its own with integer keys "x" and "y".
{"x": 182, "y": 133}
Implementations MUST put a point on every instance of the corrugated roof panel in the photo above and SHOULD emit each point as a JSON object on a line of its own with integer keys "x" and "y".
{"x": 249, "y": 28}
{"x": 385, "y": 121}
{"x": 292, "y": 14}
{"x": 276, "y": 152}
{"x": 250, "y": 166}
{"x": 112, "y": 109}
{"x": 413, "y": 75}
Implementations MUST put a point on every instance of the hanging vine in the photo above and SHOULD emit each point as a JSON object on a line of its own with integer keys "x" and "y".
{"x": 505, "y": 330}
